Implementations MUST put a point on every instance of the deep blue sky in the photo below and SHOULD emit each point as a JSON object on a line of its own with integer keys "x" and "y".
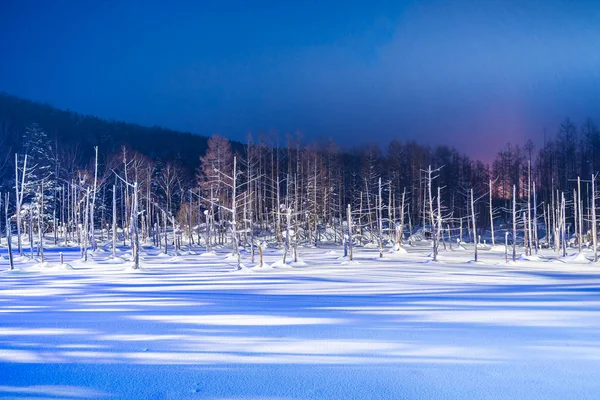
{"x": 472, "y": 74}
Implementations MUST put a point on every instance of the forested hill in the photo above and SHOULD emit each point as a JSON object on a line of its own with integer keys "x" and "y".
{"x": 83, "y": 132}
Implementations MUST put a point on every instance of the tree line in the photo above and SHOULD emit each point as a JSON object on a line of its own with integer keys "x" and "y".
{"x": 72, "y": 178}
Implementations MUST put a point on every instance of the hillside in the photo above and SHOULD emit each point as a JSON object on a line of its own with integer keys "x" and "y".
{"x": 83, "y": 132}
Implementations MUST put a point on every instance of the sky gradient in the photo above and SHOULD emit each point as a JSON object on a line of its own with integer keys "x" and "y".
{"x": 472, "y": 74}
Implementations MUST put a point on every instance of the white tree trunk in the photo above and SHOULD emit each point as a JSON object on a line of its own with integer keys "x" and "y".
{"x": 349, "y": 216}
{"x": 514, "y": 214}
{"x": 380, "y": 224}
{"x": 8, "y": 232}
{"x": 93, "y": 203}
{"x": 433, "y": 235}
{"x": 536, "y": 239}
{"x": 563, "y": 225}
{"x": 114, "y": 222}
{"x": 236, "y": 249}
{"x": 401, "y": 230}
{"x": 19, "y": 191}
{"x": 474, "y": 226}
{"x": 529, "y": 235}
{"x": 492, "y": 215}
{"x": 580, "y": 235}
{"x": 593, "y": 207}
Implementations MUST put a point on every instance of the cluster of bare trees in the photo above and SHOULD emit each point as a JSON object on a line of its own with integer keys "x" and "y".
{"x": 302, "y": 193}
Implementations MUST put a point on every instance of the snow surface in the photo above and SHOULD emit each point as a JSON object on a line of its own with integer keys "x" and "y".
{"x": 401, "y": 327}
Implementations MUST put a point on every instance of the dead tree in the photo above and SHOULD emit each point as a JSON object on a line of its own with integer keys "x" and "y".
{"x": 514, "y": 223}
{"x": 474, "y": 225}
{"x": 593, "y": 207}
{"x": 349, "y": 216}
{"x": 93, "y": 203}
{"x": 492, "y": 215}
{"x": 8, "y": 232}
{"x": 114, "y": 221}
{"x": 430, "y": 177}
{"x": 380, "y": 218}
{"x": 19, "y": 191}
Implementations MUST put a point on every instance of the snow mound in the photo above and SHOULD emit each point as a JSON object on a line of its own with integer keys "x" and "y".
{"x": 130, "y": 269}
{"x": 114, "y": 260}
{"x": 578, "y": 258}
{"x": 532, "y": 257}
{"x": 50, "y": 266}
{"x": 16, "y": 271}
{"x": 243, "y": 269}
{"x": 330, "y": 253}
{"x": 377, "y": 258}
{"x": 478, "y": 262}
{"x": 99, "y": 250}
{"x": 265, "y": 266}
{"x": 22, "y": 258}
{"x": 497, "y": 248}
{"x": 208, "y": 254}
{"x": 280, "y": 264}
{"x": 398, "y": 249}
{"x": 299, "y": 263}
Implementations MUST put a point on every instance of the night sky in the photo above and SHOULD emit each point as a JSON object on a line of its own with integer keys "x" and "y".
{"x": 473, "y": 74}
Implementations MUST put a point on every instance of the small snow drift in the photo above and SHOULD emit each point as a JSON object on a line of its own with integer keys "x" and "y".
{"x": 398, "y": 249}
{"x": 51, "y": 266}
{"x": 532, "y": 257}
{"x": 498, "y": 249}
{"x": 577, "y": 258}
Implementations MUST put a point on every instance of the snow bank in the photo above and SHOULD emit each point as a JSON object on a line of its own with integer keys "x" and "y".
{"x": 51, "y": 266}
{"x": 578, "y": 258}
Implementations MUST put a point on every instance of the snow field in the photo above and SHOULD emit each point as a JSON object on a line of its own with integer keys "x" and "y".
{"x": 193, "y": 326}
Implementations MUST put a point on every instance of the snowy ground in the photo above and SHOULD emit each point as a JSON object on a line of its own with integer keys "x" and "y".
{"x": 398, "y": 328}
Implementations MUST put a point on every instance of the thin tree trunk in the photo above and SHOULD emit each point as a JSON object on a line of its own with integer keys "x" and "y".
{"x": 492, "y": 215}
{"x": 433, "y": 235}
{"x": 8, "y": 232}
{"x": 529, "y": 233}
{"x": 401, "y": 230}
{"x": 563, "y": 224}
{"x": 580, "y": 214}
{"x": 114, "y": 222}
{"x": 474, "y": 226}
{"x": 31, "y": 230}
{"x": 536, "y": 239}
{"x": 593, "y": 209}
{"x": 19, "y": 191}
{"x": 380, "y": 214}
{"x": 134, "y": 227}
{"x": 40, "y": 223}
{"x": 349, "y": 216}
{"x": 514, "y": 218}
{"x": 93, "y": 203}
